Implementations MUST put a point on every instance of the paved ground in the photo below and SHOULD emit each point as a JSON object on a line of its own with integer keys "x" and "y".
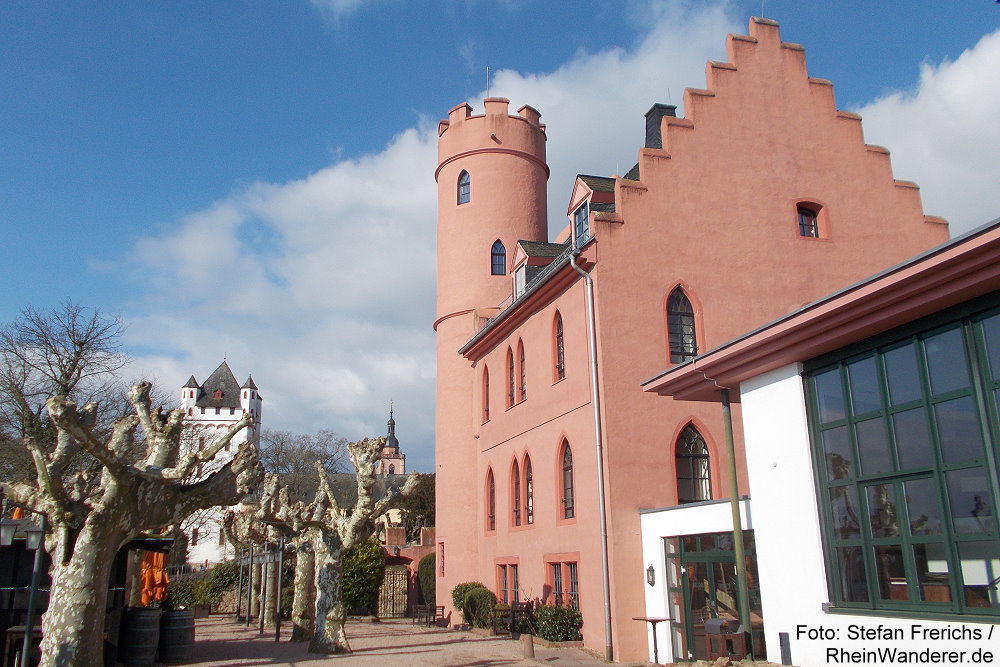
{"x": 220, "y": 642}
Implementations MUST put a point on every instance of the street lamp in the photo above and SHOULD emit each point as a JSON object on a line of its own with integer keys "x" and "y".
{"x": 7, "y": 528}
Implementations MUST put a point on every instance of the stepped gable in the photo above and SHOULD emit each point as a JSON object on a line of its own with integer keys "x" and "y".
{"x": 764, "y": 93}
{"x": 221, "y": 390}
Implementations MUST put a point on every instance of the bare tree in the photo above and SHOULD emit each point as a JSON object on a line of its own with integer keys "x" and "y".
{"x": 293, "y": 456}
{"x": 92, "y": 515}
{"x": 332, "y": 530}
{"x": 68, "y": 351}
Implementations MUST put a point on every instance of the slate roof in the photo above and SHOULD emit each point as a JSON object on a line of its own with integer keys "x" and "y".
{"x": 223, "y": 380}
{"x": 633, "y": 173}
{"x": 602, "y": 206}
{"x": 598, "y": 183}
{"x": 541, "y": 249}
{"x": 249, "y": 383}
{"x": 192, "y": 384}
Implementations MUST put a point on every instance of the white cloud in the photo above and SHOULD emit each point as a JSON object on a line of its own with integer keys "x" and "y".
{"x": 945, "y": 135}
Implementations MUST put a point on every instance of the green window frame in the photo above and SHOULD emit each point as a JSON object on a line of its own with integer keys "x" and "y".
{"x": 905, "y": 445}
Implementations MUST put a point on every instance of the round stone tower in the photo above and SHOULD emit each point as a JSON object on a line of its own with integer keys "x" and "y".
{"x": 491, "y": 178}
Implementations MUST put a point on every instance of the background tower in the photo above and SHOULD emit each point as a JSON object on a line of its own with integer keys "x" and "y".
{"x": 491, "y": 179}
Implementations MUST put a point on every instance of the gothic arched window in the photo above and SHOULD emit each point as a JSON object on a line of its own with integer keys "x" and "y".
{"x": 520, "y": 362}
{"x": 486, "y": 394}
{"x": 491, "y": 501}
{"x": 694, "y": 481}
{"x": 680, "y": 327}
{"x": 515, "y": 488}
{"x": 529, "y": 492}
{"x": 567, "y": 482}
{"x": 560, "y": 366}
{"x": 498, "y": 259}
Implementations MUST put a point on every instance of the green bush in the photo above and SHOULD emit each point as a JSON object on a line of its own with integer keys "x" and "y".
{"x": 477, "y": 608}
{"x": 559, "y": 624}
{"x": 180, "y": 595}
{"x": 458, "y": 593}
{"x": 363, "y": 570}
{"x": 425, "y": 579}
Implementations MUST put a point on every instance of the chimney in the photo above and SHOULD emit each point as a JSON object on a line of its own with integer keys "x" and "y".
{"x": 653, "y": 121}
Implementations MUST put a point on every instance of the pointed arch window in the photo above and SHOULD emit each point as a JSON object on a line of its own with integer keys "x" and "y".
{"x": 694, "y": 481}
{"x": 464, "y": 188}
{"x": 523, "y": 385}
{"x": 486, "y": 394}
{"x": 560, "y": 349}
{"x": 498, "y": 259}
{"x": 491, "y": 501}
{"x": 515, "y": 488}
{"x": 510, "y": 378}
{"x": 680, "y": 327}
{"x": 529, "y": 492}
{"x": 567, "y": 482}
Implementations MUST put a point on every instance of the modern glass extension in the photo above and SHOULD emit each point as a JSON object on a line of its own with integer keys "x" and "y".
{"x": 904, "y": 438}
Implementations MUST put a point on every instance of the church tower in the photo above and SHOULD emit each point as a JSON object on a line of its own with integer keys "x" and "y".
{"x": 393, "y": 461}
{"x": 491, "y": 178}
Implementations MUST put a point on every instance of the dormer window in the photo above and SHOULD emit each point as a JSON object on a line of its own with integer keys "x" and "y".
{"x": 520, "y": 280}
{"x": 217, "y": 393}
{"x": 581, "y": 225}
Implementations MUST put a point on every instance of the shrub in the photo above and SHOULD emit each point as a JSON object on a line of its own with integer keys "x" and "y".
{"x": 477, "y": 608}
{"x": 425, "y": 579}
{"x": 559, "y": 624}
{"x": 363, "y": 570}
{"x": 458, "y": 593}
{"x": 180, "y": 595}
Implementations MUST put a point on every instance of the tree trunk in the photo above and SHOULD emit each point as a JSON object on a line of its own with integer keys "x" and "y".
{"x": 255, "y": 582}
{"x": 135, "y": 579}
{"x": 271, "y": 594}
{"x": 330, "y": 636}
{"x": 73, "y": 626}
{"x": 303, "y": 603}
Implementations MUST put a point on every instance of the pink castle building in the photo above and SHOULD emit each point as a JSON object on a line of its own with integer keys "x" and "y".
{"x": 763, "y": 198}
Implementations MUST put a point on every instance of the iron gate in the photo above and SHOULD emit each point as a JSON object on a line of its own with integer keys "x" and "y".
{"x": 392, "y": 596}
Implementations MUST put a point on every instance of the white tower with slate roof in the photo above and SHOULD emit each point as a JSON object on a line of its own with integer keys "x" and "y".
{"x": 210, "y": 410}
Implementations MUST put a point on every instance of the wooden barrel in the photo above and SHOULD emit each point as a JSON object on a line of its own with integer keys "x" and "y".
{"x": 176, "y": 636}
{"x": 139, "y": 636}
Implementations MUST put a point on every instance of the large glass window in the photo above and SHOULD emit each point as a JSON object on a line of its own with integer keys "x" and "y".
{"x": 694, "y": 481}
{"x": 905, "y": 440}
{"x": 680, "y": 327}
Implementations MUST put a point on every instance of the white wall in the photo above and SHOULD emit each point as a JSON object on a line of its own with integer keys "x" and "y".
{"x": 714, "y": 517}
{"x": 789, "y": 549}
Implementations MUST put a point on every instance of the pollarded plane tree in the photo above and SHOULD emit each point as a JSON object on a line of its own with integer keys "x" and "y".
{"x": 91, "y": 515}
{"x": 332, "y": 530}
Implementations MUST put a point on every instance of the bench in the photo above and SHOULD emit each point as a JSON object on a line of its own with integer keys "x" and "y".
{"x": 509, "y": 618}
{"x": 427, "y": 613}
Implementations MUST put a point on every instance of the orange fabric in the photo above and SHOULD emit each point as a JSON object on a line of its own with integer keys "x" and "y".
{"x": 18, "y": 513}
{"x": 153, "y": 576}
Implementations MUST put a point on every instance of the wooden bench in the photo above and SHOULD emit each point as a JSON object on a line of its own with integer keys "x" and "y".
{"x": 427, "y": 613}
{"x": 509, "y": 618}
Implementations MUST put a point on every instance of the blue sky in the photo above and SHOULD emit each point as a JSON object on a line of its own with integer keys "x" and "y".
{"x": 255, "y": 179}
